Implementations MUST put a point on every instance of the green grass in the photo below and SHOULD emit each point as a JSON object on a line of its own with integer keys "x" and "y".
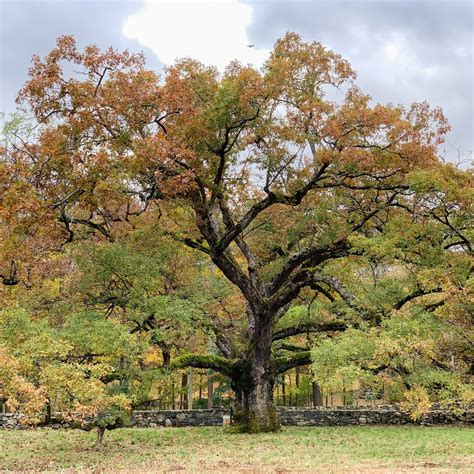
{"x": 323, "y": 449}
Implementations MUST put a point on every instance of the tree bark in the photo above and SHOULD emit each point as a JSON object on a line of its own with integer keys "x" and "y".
{"x": 190, "y": 389}
{"x": 173, "y": 396}
{"x": 100, "y": 437}
{"x": 253, "y": 384}
{"x": 283, "y": 389}
{"x": 184, "y": 394}
{"x": 297, "y": 383}
{"x": 210, "y": 390}
{"x": 317, "y": 396}
{"x": 200, "y": 388}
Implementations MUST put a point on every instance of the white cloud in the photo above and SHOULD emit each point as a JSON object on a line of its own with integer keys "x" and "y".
{"x": 403, "y": 58}
{"x": 213, "y": 32}
{"x": 392, "y": 51}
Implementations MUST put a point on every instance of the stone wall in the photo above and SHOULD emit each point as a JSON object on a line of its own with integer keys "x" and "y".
{"x": 10, "y": 420}
{"x": 212, "y": 417}
{"x": 381, "y": 415}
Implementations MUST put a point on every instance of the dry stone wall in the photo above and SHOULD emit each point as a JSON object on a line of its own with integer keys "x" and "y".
{"x": 10, "y": 420}
{"x": 146, "y": 418}
{"x": 382, "y": 415}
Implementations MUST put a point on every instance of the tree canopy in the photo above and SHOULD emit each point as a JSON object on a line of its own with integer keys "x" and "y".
{"x": 241, "y": 209}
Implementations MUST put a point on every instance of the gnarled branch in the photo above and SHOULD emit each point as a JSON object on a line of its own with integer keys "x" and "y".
{"x": 415, "y": 294}
{"x": 207, "y": 361}
{"x": 309, "y": 327}
{"x": 282, "y": 364}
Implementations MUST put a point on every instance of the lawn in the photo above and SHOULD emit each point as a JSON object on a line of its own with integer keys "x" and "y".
{"x": 316, "y": 449}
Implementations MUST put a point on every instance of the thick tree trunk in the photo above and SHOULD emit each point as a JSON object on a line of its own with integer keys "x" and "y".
{"x": 255, "y": 410}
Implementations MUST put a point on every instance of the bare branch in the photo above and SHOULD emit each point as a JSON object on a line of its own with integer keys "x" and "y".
{"x": 268, "y": 201}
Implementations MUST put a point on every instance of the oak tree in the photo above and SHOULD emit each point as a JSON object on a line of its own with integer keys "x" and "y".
{"x": 272, "y": 175}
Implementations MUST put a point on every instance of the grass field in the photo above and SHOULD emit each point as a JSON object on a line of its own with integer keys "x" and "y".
{"x": 338, "y": 449}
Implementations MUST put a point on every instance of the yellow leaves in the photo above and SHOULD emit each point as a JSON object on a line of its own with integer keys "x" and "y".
{"x": 466, "y": 394}
{"x": 450, "y": 182}
{"x": 417, "y": 401}
{"x": 431, "y": 277}
{"x": 86, "y": 411}
{"x": 23, "y": 396}
{"x": 153, "y": 358}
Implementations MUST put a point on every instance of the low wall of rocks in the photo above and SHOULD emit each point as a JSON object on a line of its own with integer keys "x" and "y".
{"x": 146, "y": 418}
{"x": 382, "y": 415}
{"x": 320, "y": 416}
{"x": 10, "y": 420}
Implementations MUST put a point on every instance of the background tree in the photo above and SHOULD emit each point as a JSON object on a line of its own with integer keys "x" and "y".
{"x": 419, "y": 282}
{"x": 65, "y": 369}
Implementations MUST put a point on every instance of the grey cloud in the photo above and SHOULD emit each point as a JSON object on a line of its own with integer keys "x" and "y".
{"x": 437, "y": 35}
{"x": 31, "y": 27}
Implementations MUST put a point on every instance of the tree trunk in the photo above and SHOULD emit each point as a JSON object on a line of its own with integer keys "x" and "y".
{"x": 290, "y": 403}
{"x": 184, "y": 394}
{"x": 173, "y": 396}
{"x": 210, "y": 390}
{"x": 317, "y": 396}
{"x": 100, "y": 437}
{"x": 283, "y": 389}
{"x": 48, "y": 411}
{"x": 166, "y": 357}
{"x": 190, "y": 389}
{"x": 200, "y": 388}
{"x": 297, "y": 383}
{"x": 253, "y": 384}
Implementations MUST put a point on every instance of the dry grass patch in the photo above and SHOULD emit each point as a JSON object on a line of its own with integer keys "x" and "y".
{"x": 318, "y": 449}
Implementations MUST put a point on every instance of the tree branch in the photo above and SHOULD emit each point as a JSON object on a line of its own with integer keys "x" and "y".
{"x": 268, "y": 201}
{"x": 194, "y": 244}
{"x": 282, "y": 364}
{"x": 239, "y": 240}
{"x": 338, "y": 287}
{"x": 208, "y": 361}
{"x": 283, "y": 346}
{"x": 309, "y": 327}
{"x": 415, "y": 294}
{"x": 313, "y": 256}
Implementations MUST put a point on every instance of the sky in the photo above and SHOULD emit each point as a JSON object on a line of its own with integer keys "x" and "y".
{"x": 403, "y": 51}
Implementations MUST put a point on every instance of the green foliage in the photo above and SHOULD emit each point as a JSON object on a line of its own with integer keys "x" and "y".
{"x": 310, "y": 216}
{"x": 68, "y": 364}
{"x": 400, "y": 358}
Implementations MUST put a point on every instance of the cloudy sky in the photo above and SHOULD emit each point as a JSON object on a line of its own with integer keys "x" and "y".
{"x": 404, "y": 51}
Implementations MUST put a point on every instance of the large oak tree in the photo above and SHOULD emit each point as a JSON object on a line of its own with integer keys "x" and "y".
{"x": 270, "y": 174}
